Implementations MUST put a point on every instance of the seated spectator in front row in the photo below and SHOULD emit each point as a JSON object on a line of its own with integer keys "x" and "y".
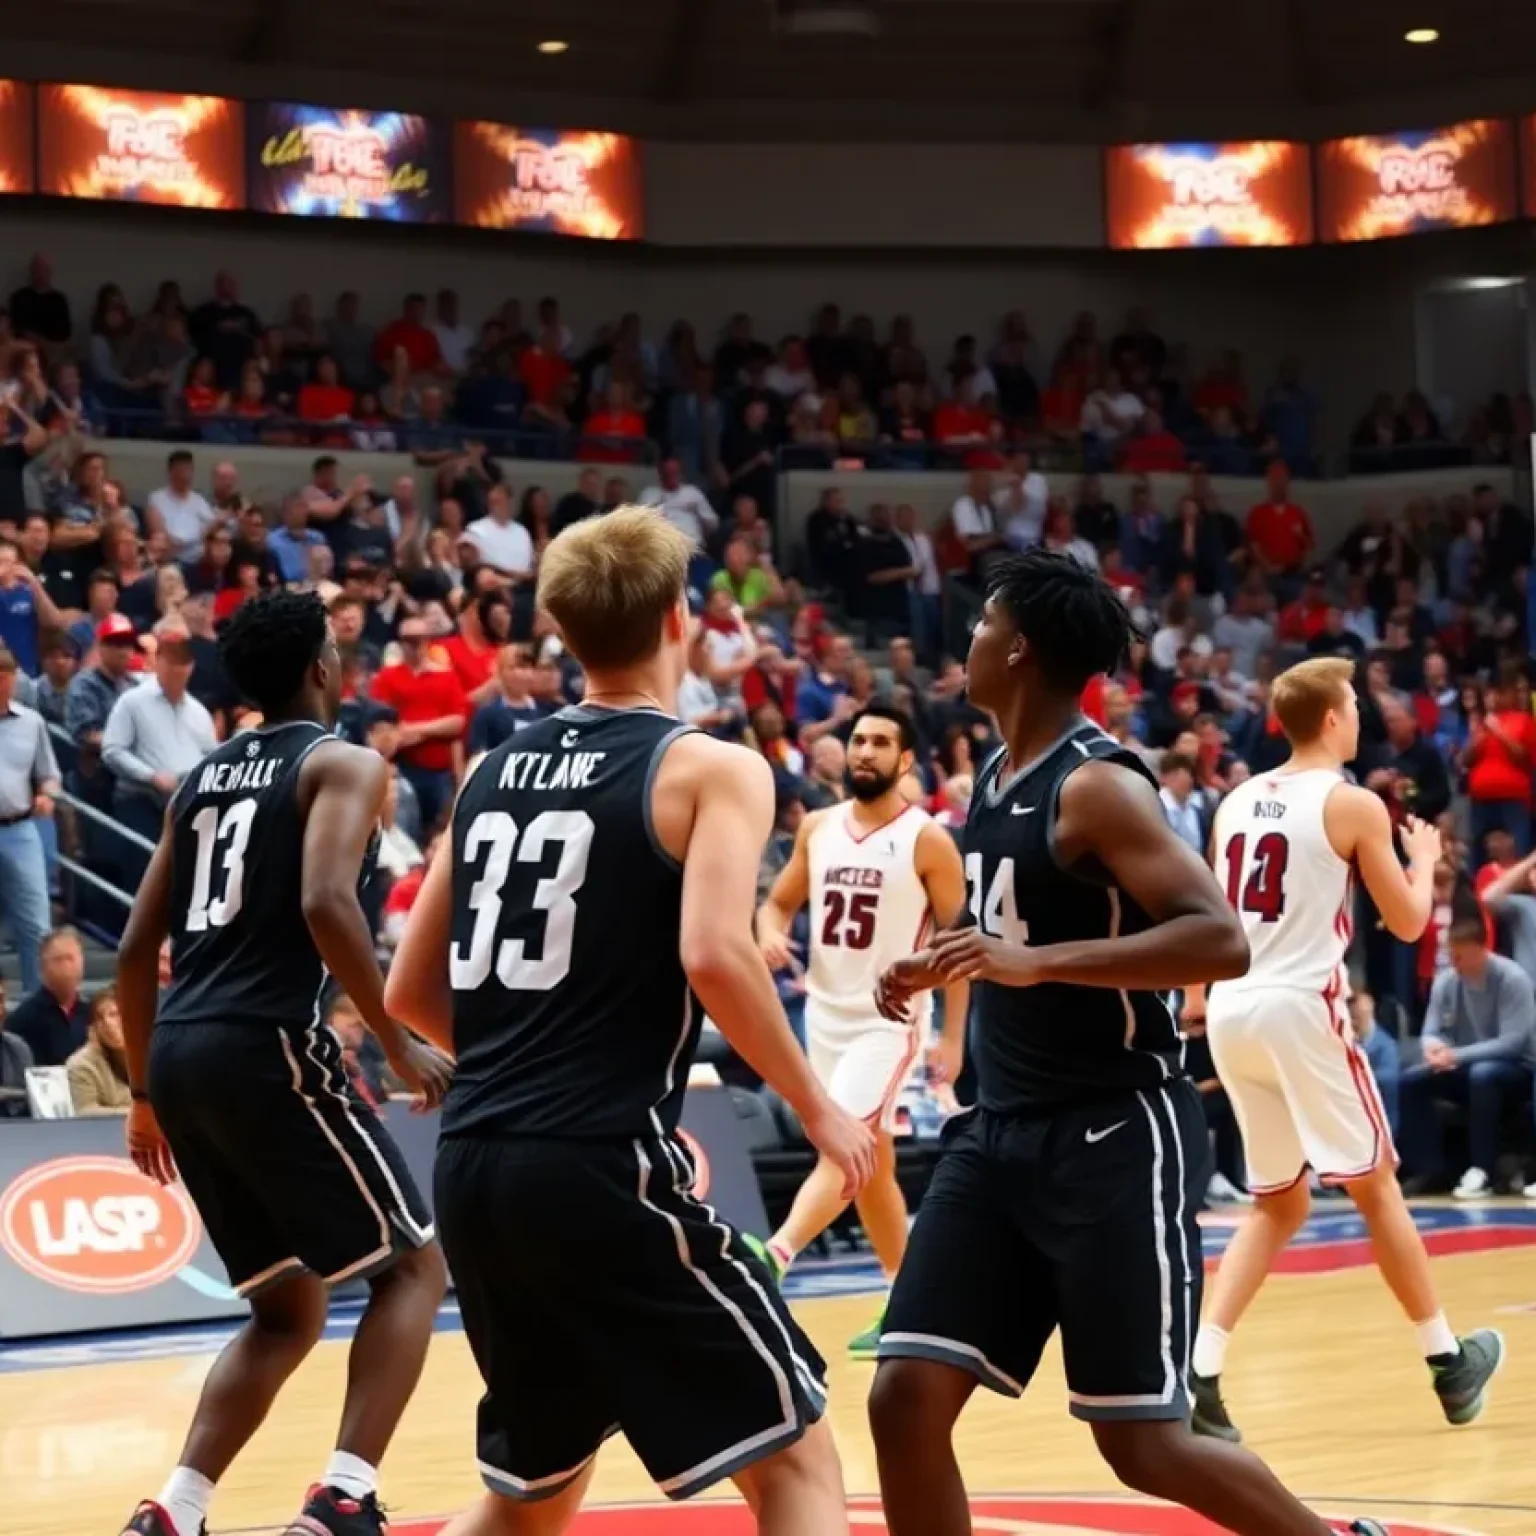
{"x": 98, "y": 1071}
{"x": 15, "y": 1058}
{"x": 1380, "y": 1050}
{"x": 53, "y": 1021}
{"x": 1479, "y": 1049}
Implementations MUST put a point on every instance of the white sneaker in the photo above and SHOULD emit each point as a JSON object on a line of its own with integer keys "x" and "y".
{"x": 1474, "y": 1185}
{"x": 1530, "y": 1191}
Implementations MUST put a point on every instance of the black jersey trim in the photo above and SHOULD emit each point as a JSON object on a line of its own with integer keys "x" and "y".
{"x": 999, "y": 788}
{"x": 652, "y": 769}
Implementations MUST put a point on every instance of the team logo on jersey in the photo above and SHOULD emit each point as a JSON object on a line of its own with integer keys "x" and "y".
{"x": 96, "y": 1225}
{"x": 700, "y": 1159}
{"x": 1041, "y": 1516}
{"x": 253, "y": 749}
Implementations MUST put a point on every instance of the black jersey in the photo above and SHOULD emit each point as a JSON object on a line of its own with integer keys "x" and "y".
{"x": 1041, "y": 1047}
{"x": 572, "y": 1015}
{"x": 241, "y": 952}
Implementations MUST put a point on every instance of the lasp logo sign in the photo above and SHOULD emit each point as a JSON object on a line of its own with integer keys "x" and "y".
{"x": 96, "y": 1225}
{"x": 1042, "y": 1516}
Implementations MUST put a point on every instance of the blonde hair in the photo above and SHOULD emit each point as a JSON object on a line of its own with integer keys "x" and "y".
{"x": 609, "y": 582}
{"x": 1302, "y": 695}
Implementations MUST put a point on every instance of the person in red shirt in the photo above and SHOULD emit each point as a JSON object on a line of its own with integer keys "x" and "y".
{"x": 248, "y": 570}
{"x": 1154, "y": 450}
{"x": 202, "y": 395}
{"x": 411, "y": 332}
{"x": 1280, "y": 532}
{"x": 544, "y": 370}
{"x": 433, "y": 714}
{"x": 617, "y": 418}
{"x": 325, "y": 397}
{"x": 1500, "y": 754}
{"x": 961, "y": 422}
{"x": 1502, "y": 857}
{"x": 473, "y": 650}
{"x": 1307, "y": 617}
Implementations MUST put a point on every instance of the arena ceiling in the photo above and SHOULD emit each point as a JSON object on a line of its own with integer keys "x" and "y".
{"x": 766, "y": 69}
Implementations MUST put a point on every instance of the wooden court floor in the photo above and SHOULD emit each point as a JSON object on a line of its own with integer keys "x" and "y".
{"x": 1324, "y": 1378}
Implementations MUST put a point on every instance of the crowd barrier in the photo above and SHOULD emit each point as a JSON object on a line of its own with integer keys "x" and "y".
{"x": 87, "y": 1243}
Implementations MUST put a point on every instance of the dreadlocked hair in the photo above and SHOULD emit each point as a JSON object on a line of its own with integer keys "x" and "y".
{"x": 1075, "y": 622}
{"x": 269, "y": 645}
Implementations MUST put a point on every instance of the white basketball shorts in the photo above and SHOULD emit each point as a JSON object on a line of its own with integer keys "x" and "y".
{"x": 1300, "y": 1086}
{"x": 862, "y": 1063}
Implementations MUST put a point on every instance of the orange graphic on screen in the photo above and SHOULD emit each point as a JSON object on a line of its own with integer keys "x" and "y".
{"x": 1163, "y": 195}
{"x": 583, "y": 184}
{"x": 1528, "y": 160}
{"x": 15, "y": 136}
{"x": 138, "y": 146}
{"x": 1377, "y": 186}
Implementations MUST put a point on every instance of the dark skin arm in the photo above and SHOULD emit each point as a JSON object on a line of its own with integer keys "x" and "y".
{"x": 341, "y": 792}
{"x": 138, "y": 993}
{"x": 1111, "y": 815}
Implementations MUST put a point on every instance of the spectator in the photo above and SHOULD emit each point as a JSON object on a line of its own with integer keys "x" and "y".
{"x": 39, "y": 312}
{"x": 1111, "y": 413}
{"x": 685, "y": 506}
{"x": 544, "y": 370}
{"x": 1380, "y": 1050}
{"x": 828, "y": 781}
{"x": 455, "y": 340}
{"x": 95, "y": 689}
{"x": 1022, "y": 503}
{"x": 887, "y": 575}
{"x": 747, "y": 455}
{"x": 1154, "y": 449}
{"x": 749, "y": 577}
{"x": 59, "y": 658}
{"x": 15, "y": 1058}
{"x": 291, "y": 543}
{"x": 399, "y": 398}
{"x": 1306, "y": 618}
{"x": 1290, "y": 415}
{"x": 1280, "y": 532}
{"x": 501, "y": 541}
{"x": 614, "y": 434}
{"x": 1507, "y": 886}
{"x": 25, "y": 609}
{"x": 821, "y": 701}
{"x": 225, "y": 330}
{"x": 325, "y": 398}
{"x": 975, "y": 522}
{"x": 181, "y": 512}
{"x": 433, "y": 713}
{"x": 1245, "y": 630}
{"x": 52, "y": 1020}
{"x": 698, "y": 701}
{"x": 1479, "y": 1049}
{"x": 156, "y": 734}
{"x": 963, "y": 422}
{"x": 1060, "y": 535}
{"x": 789, "y": 376}
{"x": 694, "y": 423}
{"x": 98, "y": 1071}
{"x": 926, "y": 590}
{"x": 512, "y": 706}
{"x": 410, "y": 333}
{"x": 1184, "y": 805}
{"x": 350, "y": 339}
{"x": 22, "y": 438}
{"x": 578, "y": 505}
{"x": 1501, "y": 750}
{"x": 1414, "y": 772}
{"x": 29, "y": 784}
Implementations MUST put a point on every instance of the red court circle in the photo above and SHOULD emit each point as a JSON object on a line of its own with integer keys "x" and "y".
{"x": 998, "y": 1516}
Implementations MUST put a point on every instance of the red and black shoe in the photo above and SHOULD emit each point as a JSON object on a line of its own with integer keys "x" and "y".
{"x": 150, "y": 1519}
{"x": 328, "y": 1512}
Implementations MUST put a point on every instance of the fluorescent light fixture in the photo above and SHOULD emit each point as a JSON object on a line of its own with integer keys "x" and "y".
{"x": 553, "y": 45}
{"x": 1421, "y": 35}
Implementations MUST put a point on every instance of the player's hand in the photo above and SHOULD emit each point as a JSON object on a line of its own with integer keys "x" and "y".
{"x": 1420, "y": 840}
{"x": 900, "y": 982}
{"x": 946, "y": 1058}
{"x": 967, "y": 954}
{"x": 845, "y": 1141}
{"x": 778, "y": 949}
{"x": 147, "y": 1146}
{"x": 424, "y": 1071}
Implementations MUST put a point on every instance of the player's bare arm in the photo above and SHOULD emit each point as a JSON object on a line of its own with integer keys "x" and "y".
{"x": 1111, "y": 816}
{"x": 417, "y": 992}
{"x": 138, "y": 991}
{"x": 1360, "y": 830}
{"x": 942, "y": 872}
{"x": 791, "y": 890}
{"x": 713, "y": 809}
{"x": 341, "y": 793}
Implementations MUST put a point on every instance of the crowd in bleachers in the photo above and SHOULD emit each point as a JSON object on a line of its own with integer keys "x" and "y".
{"x": 110, "y": 605}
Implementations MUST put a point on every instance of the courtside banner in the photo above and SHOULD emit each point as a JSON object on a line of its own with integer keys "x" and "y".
{"x": 88, "y": 1243}
{"x": 1162, "y": 195}
{"x": 16, "y": 148}
{"x": 335, "y": 163}
{"x": 140, "y": 146}
{"x": 1371, "y": 188}
{"x": 548, "y": 180}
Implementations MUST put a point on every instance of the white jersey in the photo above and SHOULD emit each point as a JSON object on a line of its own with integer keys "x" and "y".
{"x": 868, "y": 908}
{"x": 1290, "y": 888}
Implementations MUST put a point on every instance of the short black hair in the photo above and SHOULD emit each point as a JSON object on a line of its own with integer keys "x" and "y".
{"x": 878, "y": 709}
{"x": 269, "y": 645}
{"x": 325, "y": 461}
{"x": 178, "y": 456}
{"x": 1075, "y": 622}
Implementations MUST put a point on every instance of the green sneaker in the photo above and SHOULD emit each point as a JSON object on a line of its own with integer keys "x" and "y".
{"x": 1461, "y": 1381}
{"x": 866, "y": 1345}
{"x": 1209, "y": 1415}
{"x": 766, "y": 1257}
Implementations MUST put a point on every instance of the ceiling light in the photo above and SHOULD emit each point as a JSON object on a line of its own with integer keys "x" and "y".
{"x": 554, "y": 45}
{"x": 1421, "y": 35}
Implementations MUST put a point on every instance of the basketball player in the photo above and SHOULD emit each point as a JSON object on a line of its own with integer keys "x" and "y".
{"x": 1299, "y": 1084}
{"x": 241, "y": 1090}
{"x": 593, "y": 901}
{"x": 1067, "y": 1199}
{"x": 875, "y": 871}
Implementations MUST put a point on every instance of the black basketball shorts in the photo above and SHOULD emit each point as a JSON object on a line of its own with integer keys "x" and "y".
{"x": 598, "y": 1295}
{"x": 289, "y": 1170}
{"x": 1082, "y": 1220}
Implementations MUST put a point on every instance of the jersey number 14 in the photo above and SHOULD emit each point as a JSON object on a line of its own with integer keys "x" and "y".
{"x": 1264, "y": 893}
{"x": 997, "y": 916}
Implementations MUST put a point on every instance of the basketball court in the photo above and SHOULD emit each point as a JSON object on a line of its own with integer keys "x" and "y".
{"x": 1324, "y": 1379}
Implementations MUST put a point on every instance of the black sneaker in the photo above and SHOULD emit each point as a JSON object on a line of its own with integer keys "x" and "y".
{"x": 328, "y": 1512}
{"x": 1461, "y": 1380}
{"x": 1368, "y": 1528}
{"x": 1209, "y": 1415}
{"x": 150, "y": 1519}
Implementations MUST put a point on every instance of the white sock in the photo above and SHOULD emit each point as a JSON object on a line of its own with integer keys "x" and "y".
{"x": 783, "y": 1253}
{"x": 185, "y": 1498}
{"x": 1210, "y": 1350}
{"x": 350, "y": 1475}
{"x": 1435, "y": 1337}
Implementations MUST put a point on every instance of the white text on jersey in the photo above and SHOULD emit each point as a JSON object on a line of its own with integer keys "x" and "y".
{"x": 543, "y": 770}
{"x": 223, "y": 778}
